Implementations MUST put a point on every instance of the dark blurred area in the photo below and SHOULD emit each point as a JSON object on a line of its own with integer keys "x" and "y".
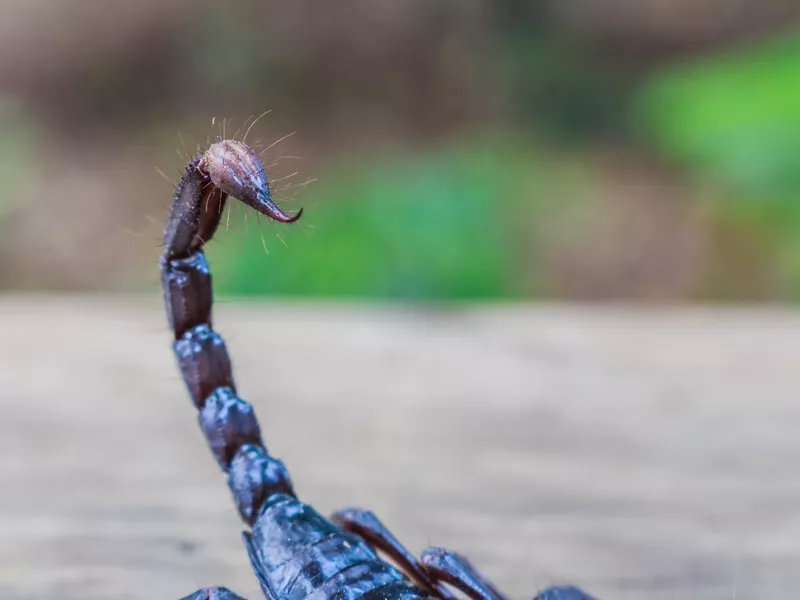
{"x": 645, "y": 150}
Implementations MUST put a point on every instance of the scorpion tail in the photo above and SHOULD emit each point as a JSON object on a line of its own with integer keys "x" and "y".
{"x": 228, "y": 422}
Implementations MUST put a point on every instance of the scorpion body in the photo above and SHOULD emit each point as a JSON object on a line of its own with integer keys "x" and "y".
{"x": 296, "y": 553}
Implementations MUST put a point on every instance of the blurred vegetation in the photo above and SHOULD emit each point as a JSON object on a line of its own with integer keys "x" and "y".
{"x": 447, "y": 224}
{"x": 735, "y": 118}
{"x": 734, "y": 122}
{"x": 16, "y": 152}
{"x": 462, "y": 150}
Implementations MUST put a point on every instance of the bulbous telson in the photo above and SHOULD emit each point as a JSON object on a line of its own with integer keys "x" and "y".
{"x": 236, "y": 169}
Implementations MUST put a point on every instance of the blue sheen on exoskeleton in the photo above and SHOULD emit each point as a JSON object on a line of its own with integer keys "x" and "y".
{"x": 296, "y": 553}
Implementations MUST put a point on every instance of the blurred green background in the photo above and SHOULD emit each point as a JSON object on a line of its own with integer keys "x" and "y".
{"x": 443, "y": 150}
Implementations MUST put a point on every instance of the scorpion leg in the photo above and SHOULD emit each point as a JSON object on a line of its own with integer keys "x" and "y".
{"x": 438, "y": 566}
{"x": 445, "y": 565}
{"x": 456, "y": 570}
{"x": 365, "y": 524}
{"x": 566, "y": 592}
{"x": 217, "y": 593}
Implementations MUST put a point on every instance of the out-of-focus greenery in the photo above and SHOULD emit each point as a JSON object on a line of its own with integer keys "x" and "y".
{"x": 450, "y": 224}
{"x": 735, "y": 118}
{"x": 734, "y": 121}
{"x": 16, "y": 151}
{"x": 640, "y": 157}
{"x": 465, "y": 222}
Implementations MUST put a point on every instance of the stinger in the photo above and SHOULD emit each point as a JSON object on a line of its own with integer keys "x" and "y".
{"x": 236, "y": 170}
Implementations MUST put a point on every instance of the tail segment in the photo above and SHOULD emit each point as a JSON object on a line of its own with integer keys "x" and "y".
{"x": 228, "y": 422}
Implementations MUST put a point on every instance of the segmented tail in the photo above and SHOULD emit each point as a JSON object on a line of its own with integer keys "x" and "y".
{"x": 228, "y": 422}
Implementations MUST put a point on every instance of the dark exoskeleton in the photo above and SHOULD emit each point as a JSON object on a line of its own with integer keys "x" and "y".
{"x": 295, "y": 552}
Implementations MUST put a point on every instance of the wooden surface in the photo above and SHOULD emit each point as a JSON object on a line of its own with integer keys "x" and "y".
{"x": 640, "y": 454}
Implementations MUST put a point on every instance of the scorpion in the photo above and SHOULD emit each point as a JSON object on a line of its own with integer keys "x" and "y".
{"x": 295, "y": 552}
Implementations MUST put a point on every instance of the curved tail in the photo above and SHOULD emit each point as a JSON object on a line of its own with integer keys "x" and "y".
{"x": 228, "y": 422}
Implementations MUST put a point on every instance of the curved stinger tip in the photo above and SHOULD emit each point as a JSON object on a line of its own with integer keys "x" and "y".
{"x": 284, "y": 218}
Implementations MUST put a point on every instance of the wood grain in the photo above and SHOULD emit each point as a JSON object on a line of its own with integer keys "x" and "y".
{"x": 640, "y": 454}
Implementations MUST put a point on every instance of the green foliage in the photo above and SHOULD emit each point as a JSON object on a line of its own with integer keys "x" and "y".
{"x": 437, "y": 226}
{"x": 734, "y": 120}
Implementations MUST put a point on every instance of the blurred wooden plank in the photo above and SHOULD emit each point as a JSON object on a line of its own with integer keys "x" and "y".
{"x": 641, "y": 454}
